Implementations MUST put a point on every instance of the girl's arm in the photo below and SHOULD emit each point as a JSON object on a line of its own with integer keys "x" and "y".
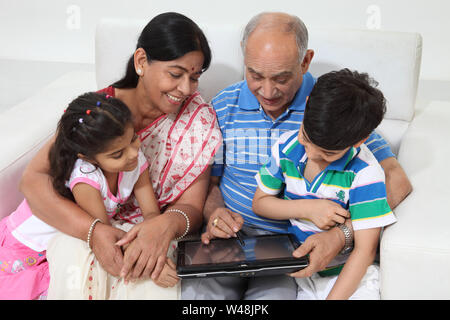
{"x": 362, "y": 256}
{"x": 323, "y": 213}
{"x": 91, "y": 201}
{"x": 145, "y": 196}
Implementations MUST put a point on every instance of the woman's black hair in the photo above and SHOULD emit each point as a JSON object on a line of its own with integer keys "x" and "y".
{"x": 343, "y": 108}
{"x": 167, "y": 37}
{"x": 88, "y": 125}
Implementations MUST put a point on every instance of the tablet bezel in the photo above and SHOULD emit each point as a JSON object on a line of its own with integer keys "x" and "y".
{"x": 243, "y": 268}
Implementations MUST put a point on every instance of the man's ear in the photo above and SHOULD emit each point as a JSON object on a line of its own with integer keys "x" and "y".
{"x": 307, "y": 60}
{"x": 356, "y": 145}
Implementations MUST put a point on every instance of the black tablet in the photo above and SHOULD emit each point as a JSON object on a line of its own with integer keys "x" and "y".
{"x": 259, "y": 255}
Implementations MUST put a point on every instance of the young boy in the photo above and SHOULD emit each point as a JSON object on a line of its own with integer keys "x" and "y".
{"x": 324, "y": 172}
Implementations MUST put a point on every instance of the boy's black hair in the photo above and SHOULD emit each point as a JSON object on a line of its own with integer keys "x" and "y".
{"x": 343, "y": 108}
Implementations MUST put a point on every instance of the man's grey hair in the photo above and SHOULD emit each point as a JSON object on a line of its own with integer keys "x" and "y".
{"x": 292, "y": 24}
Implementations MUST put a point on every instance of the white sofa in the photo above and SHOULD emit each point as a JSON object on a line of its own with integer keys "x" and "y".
{"x": 415, "y": 252}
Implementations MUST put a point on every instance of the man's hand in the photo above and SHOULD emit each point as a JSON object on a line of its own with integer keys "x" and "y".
{"x": 322, "y": 248}
{"x": 222, "y": 223}
{"x": 103, "y": 245}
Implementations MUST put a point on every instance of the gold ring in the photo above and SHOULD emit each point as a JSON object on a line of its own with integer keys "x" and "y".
{"x": 215, "y": 221}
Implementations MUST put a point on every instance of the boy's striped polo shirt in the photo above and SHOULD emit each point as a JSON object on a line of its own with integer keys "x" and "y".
{"x": 356, "y": 182}
{"x": 248, "y": 135}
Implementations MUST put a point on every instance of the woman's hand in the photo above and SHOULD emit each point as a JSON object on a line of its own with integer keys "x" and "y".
{"x": 103, "y": 245}
{"x": 223, "y": 223}
{"x": 146, "y": 253}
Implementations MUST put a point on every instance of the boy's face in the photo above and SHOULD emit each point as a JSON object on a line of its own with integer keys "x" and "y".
{"x": 318, "y": 154}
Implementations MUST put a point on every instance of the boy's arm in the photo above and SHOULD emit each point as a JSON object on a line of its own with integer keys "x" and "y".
{"x": 323, "y": 213}
{"x": 145, "y": 196}
{"x": 362, "y": 256}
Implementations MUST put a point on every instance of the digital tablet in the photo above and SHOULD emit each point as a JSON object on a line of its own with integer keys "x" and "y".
{"x": 259, "y": 256}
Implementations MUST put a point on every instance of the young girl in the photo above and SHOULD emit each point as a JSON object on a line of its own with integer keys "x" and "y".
{"x": 95, "y": 161}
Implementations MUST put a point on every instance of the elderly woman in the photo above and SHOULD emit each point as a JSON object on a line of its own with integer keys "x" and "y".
{"x": 179, "y": 137}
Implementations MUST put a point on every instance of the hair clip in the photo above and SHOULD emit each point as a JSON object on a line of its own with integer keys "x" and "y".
{"x": 108, "y": 96}
{"x": 80, "y": 120}
{"x": 98, "y": 103}
{"x": 88, "y": 111}
{"x": 65, "y": 110}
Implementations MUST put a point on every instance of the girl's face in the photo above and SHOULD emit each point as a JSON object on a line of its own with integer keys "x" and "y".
{"x": 167, "y": 84}
{"x": 121, "y": 154}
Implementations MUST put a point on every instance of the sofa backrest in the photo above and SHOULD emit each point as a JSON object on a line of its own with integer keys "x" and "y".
{"x": 391, "y": 58}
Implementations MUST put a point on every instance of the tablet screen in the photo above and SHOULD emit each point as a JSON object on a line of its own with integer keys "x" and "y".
{"x": 230, "y": 250}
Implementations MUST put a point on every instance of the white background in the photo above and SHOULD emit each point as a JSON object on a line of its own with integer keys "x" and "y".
{"x": 40, "y": 40}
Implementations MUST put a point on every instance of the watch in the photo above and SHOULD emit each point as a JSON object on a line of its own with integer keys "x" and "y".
{"x": 348, "y": 234}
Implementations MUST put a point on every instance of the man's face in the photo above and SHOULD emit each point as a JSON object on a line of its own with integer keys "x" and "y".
{"x": 273, "y": 69}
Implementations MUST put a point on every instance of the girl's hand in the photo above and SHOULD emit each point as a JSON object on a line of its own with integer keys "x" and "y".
{"x": 147, "y": 251}
{"x": 168, "y": 277}
{"x": 223, "y": 223}
{"x": 325, "y": 214}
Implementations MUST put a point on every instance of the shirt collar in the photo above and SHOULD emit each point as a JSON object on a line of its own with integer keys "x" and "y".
{"x": 341, "y": 164}
{"x": 298, "y": 154}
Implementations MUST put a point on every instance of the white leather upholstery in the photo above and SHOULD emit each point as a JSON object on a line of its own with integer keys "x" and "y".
{"x": 415, "y": 251}
{"x": 26, "y": 126}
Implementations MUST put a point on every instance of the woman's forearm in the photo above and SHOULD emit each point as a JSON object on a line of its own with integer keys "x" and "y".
{"x": 192, "y": 203}
{"x": 46, "y": 203}
{"x": 53, "y": 209}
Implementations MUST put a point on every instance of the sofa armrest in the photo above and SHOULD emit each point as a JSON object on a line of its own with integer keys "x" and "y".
{"x": 25, "y": 127}
{"x": 415, "y": 251}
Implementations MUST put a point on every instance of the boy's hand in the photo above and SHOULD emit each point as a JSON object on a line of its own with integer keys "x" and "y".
{"x": 325, "y": 214}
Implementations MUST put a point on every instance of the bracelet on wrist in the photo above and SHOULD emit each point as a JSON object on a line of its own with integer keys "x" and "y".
{"x": 186, "y": 231}
{"x": 91, "y": 228}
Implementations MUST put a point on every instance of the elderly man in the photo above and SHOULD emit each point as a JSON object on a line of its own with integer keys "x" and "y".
{"x": 252, "y": 114}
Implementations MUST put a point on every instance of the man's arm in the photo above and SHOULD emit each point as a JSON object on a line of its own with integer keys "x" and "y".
{"x": 322, "y": 248}
{"x": 398, "y": 185}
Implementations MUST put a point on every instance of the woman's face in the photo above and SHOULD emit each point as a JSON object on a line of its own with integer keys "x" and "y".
{"x": 168, "y": 83}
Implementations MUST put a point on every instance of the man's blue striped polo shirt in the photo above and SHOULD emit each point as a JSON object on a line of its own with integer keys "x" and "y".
{"x": 248, "y": 136}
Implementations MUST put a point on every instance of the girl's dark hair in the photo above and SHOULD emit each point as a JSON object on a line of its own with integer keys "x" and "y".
{"x": 167, "y": 37}
{"x": 88, "y": 125}
{"x": 343, "y": 108}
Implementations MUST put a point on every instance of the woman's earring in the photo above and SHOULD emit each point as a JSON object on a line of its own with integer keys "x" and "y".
{"x": 139, "y": 71}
